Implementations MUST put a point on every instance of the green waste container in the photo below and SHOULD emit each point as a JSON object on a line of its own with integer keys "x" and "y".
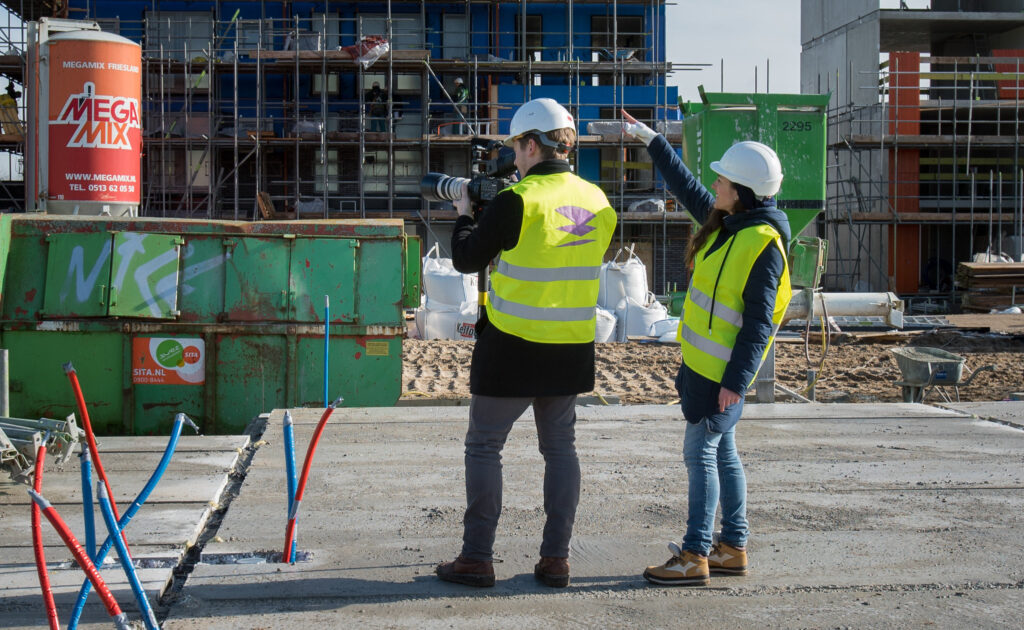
{"x": 221, "y": 320}
{"x": 792, "y": 124}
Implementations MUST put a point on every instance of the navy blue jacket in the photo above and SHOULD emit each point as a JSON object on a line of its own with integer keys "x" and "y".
{"x": 699, "y": 395}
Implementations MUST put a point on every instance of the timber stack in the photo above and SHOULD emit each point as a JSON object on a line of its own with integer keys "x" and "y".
{"x": 988, "y": 286}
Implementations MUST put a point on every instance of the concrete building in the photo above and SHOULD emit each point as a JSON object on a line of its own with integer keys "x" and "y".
{"x": 924, "y": 140}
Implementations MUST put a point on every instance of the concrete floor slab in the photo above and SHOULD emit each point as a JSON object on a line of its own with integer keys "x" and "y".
{"x": 1008, "y": 412}
{"x": 159, "y": 534}
{"x": 863, "y": 515}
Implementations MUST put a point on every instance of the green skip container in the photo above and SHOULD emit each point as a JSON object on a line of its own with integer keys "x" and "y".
{"x": 221, "y": 320}
{"x": 792, "y": 124}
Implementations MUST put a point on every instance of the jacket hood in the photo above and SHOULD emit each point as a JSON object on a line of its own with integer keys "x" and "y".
{"x": 766, "y": 213}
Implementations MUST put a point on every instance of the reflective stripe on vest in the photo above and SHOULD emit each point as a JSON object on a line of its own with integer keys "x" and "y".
{"x": 547, "y": 274}
{"x": 545, "y": 288}
{"x": 720, "y": 310}
{"x": 713, "y": 311}
{"x": 713, "y": 348}
{"x": 542, "y": 313}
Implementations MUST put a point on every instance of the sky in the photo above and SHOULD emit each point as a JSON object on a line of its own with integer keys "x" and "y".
{"x": 735, "y": 36}
{"x": 738, "y": 36}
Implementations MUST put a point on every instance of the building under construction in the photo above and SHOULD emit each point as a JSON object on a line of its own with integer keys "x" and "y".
{"x": 925, "y": 168}
{"x": 322, "y": 110}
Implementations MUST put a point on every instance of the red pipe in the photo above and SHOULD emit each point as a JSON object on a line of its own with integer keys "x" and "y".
{"x": 307, "y": 463}
{"x": 91, "y": 437}
{"x": 37, "y": 543}
{"x": 81, "y": 557}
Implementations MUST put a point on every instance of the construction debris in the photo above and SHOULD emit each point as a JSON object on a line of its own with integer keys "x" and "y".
{"x": 20, "y": 440}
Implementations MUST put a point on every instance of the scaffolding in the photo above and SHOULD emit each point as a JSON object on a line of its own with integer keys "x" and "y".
{"x": 927, "y": 177}
{"x": 12, "y": 131}
{"x": 257, "y": 111}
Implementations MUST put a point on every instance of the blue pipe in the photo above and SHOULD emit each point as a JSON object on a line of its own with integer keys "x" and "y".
{"x": 126, "y": 560}
{"x": 289, "y": 466}
{"x": 87, "y": 504}
{"x": 327, "y": 342}
{"x": 83, "y": 593}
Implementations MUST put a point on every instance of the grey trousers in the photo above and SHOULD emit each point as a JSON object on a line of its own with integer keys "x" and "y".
{"x": 490, "y": 420}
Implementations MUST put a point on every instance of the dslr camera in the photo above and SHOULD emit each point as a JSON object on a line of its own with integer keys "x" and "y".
{"x": 492, "y": 175}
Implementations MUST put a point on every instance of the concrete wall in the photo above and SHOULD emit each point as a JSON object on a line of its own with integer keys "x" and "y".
{"x": 840, "y": 49}
{"x": 840, "y": 55}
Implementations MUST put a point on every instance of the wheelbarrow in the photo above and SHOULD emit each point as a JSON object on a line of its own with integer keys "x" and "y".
{"x": 926, "y": 368}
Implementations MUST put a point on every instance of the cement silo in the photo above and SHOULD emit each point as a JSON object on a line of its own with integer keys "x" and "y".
{"x": 85, "y": 139}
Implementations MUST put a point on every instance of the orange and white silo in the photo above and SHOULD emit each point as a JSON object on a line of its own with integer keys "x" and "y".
{"x": 88, "y": 141}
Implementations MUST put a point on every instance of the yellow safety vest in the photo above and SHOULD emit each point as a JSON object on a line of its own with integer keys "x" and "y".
{"x": 545, "y": 288}
{"x": 713, "y": 315}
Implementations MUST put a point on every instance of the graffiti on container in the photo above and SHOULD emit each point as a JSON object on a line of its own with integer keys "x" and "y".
{"x": 84, "y": 285}
{"x": 150, "y": 274}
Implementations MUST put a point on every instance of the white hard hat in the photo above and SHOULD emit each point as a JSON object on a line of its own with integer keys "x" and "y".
{"x": 753, "y": 165}
{"x": 458, "y": 79}
{"x": 540, "y": 115}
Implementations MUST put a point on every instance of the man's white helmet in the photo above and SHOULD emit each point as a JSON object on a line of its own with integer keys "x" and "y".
{"x": 753, "y": 165}
{"x": 540, "y": 115}
{"x": 458, "y": 80}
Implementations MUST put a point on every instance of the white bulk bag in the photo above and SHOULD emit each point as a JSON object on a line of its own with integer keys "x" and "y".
{"x": 442, "y": 284}
{"x": 433, "y": 324}
{"x": 636, "y": 317}
{"x": 669, "y": 337}
{"x": 447, "y": 322}
{"x": 621, "y": 280}
{"x": 663, "y": 326}
{"x": 465, "y": 323}
{"x": 605, "y": 327}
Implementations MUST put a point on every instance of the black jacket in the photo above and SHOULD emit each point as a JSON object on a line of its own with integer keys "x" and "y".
{"x": 698, "y": 395}
{"x": 503, "y": 364}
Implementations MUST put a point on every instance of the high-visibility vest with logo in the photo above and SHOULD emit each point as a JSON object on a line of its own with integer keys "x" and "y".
{"x": 713, "y": 310}
{"x": 545, "y": 288}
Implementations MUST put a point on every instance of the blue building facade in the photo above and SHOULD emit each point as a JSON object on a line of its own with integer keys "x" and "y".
{"x": 261, "y": 109}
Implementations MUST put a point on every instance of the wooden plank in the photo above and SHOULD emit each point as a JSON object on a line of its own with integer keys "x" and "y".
{"x": 157, "y": 444}
{"x": 892, "y": 140}
{"x": 332, "y": 55}
{"x": 920, "y": 217}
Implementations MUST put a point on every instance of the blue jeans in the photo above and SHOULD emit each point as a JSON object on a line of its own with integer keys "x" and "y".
{"x": 716, "y": 474}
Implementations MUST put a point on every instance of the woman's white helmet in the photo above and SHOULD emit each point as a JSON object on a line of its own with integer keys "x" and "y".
{"x": 540, "y": 115}
{"x": 753, "y": 165}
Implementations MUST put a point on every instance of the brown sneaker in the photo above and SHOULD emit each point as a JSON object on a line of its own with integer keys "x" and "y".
{"x": 553, "y": 572}
{"x": 725, "y": 559}
{"x": 468, "y": 572}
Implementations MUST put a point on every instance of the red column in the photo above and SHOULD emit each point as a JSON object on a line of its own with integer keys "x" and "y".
{"x": 1010, "y": 88}
{"x": 904, "y": 168}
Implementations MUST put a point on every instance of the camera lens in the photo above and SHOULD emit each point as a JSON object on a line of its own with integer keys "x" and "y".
{"x": 441, "y": 187}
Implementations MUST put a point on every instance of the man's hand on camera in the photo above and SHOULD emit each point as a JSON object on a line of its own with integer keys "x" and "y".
{"x": 463, "y": 205}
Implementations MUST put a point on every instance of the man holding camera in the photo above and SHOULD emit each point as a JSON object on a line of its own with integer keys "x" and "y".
{"x": 535, "y": 342}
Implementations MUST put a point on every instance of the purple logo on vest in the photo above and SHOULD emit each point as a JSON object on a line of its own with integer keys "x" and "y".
{"x": 579, "y": 217}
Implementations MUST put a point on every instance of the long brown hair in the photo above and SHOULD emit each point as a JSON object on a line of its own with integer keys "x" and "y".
{"x": 713, "y": 223}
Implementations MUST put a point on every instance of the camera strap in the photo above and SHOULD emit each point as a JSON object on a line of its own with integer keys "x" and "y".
{"x": 561, "y": 147}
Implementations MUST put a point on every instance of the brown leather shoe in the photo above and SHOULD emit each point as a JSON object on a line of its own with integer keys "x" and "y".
{"x": 468, "y": 572}
{"x": 552, "y": 571}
